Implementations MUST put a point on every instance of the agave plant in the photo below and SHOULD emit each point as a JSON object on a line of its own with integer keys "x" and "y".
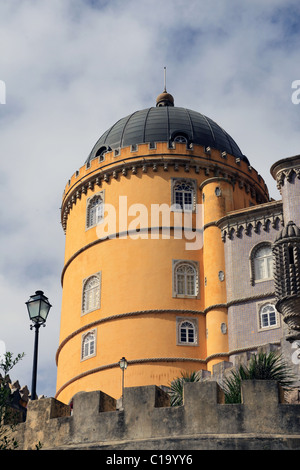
{"x": 176, "y": 387}
{"x": 261, "y": 366}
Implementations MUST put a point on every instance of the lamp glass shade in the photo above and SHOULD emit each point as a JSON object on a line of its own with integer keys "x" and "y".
{"x": 38, "y": 307}
{"x": 123, "y": 363}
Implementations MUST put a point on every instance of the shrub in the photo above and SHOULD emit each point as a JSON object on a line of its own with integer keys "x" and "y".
{"x": 176, "y": 387}
{"x": 261, "y": 366}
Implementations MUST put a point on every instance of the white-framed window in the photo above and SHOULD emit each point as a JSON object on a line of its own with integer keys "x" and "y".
{"x": 95, "y": 210}
{"x": 261, "y": 262}
{"x": 185, "y": 278}
{"x": 183, "y": 194}
{"x": 187, "y": 331}
{"x": 88, "y": 345}
{"x": 268, "y": 316}
{"x": 91, "y": 293}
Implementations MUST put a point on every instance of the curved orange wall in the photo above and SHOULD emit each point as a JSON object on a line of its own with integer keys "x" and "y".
{"x": 137, "y": 316}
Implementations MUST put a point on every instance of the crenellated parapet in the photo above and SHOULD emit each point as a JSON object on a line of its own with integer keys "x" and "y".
{"x": 146, "y": 421}
{"x": 143, "y": 159}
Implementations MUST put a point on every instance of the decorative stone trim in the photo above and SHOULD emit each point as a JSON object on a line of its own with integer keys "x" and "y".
{"x": 188, "y": 162}
{"x": 285, "y": 170}
{"x": 131, "y": 363}
{"x": 239, "y": 301}
{"x": 255, "y": 218}
{"x": 250, "y": 348}
{"x": 213, "y": 307}
{"x": 287, "y": 175}
{"x": 120, "y": 316}
{"x": 286, "y": 253}
{"x": 250, "y": 298}
{"x": 214, "y": 356}
{"x": 121, "y": 234}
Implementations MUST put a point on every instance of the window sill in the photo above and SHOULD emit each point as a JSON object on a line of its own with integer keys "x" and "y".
{"x": 90, "y": 311}
{"x": 268, "y": 328}
{"x": 258, "y": 281}
{"x": 87, "y": 357}
{"x": 183, "y": 296}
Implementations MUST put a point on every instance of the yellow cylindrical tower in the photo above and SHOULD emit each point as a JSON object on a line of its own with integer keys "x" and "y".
{"x": 137, "y": 280}
{"x": 217, "y": 194}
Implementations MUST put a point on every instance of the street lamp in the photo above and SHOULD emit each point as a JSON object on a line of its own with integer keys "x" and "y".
{"x": 123, "y": 365}
{"x": 38, "y": 308}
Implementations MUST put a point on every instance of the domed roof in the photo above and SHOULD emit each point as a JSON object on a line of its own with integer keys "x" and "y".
{"x": 164, "y": 123}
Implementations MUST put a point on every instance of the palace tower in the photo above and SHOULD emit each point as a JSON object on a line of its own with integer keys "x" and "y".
{"x": 150, "y": 221}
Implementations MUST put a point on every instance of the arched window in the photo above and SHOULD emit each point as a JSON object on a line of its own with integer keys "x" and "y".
{"x": 268, "y": 316}
{"x": 95, "y": 210}
{"x": 185, "y": 277}
{"x": 91, "y": 294}
{"x": 180, "y": 138}
{"x": 184, "y": 195}
{"x": 263, "y": 263}
{"x": 187, "y": 332}
{"x": 88, "y": 346}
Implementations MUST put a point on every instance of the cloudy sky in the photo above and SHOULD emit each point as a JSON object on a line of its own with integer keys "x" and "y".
{"x": 72, "y": 68}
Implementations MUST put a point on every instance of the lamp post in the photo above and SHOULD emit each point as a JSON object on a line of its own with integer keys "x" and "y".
{"x": 123, "y": 365}
{"x": 38, "y": 308}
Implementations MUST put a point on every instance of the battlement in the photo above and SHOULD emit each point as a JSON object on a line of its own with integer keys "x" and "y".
{"x": 146, "y": 420}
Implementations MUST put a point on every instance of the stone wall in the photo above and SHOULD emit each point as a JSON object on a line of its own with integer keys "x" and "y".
{"x": 147, "y": 422}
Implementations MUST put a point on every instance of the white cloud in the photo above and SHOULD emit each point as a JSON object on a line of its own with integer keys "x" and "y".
{"x": 73, "y": 68}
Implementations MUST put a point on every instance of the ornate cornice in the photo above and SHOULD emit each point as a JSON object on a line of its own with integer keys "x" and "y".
{"x": 285, "y": 170}
{"x": 245, "y": 220}
{"x": 286, "y": 175}
{"x": 251, "y": 181}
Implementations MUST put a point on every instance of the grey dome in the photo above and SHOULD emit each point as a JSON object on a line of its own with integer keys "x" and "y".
{"x": 163, "y": 124}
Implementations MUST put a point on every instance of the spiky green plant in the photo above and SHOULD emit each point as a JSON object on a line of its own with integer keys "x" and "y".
{"x": 176, "y": 387}
{"x": 261, "y": 366}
